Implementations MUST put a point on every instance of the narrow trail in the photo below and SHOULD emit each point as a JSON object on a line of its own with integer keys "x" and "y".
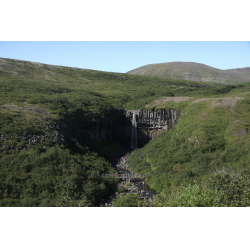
{"x": 136, "y": 185}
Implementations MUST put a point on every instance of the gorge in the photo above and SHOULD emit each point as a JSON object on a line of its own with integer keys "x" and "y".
{"x": 63, "y": 129}
{"x": 150, "y": 123}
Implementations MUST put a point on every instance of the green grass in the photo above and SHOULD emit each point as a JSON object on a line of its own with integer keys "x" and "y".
{"x": 225, "y": 188}
{"x": 206, "y": 137}
{"x": 35, "y": 97}
{"x": 196, "y": 71}
{"x": 130, "y": 200}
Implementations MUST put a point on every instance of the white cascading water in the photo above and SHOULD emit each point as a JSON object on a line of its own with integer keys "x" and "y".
{"x": 134, "y": 134}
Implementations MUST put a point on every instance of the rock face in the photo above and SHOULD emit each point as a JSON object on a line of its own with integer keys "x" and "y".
{"x": 23, "y": 140}
{"x": 117, "y": 128}
{"x": 150, "y": 124}
{"x": 114, "y": 129}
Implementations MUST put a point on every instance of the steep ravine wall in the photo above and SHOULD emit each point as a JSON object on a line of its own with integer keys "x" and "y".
{"x": 150, "y": 124}
{"x": 50, "y": 135}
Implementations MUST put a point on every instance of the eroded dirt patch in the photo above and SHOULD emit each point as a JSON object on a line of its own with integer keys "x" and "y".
{"x": 27, "y": 110}
{"x": 239, "y": 132}
{"x": 221, "y": 102}
{"x": 201, "y": 100}
{"x": 246, "y": 93}
{"x": 237, "y": 122}
{"x": 216, "y": 102}
{"x": 175, "y": 99}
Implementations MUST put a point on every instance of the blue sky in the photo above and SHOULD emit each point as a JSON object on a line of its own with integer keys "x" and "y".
{"x": 124, "y": 56}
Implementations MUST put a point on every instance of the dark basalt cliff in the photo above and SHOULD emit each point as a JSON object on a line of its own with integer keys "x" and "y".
{"x": 150, "y": 124}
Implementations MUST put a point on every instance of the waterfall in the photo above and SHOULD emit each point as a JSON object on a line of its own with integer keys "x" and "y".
{"x": 134, "y": 134}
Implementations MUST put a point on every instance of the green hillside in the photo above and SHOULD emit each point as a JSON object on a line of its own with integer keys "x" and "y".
{"x": 211, "y": 136}
{"x": 48, "y": 159}
{"x": 195, "y": 72}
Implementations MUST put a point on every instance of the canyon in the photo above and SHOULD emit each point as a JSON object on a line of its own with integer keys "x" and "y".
{"x": 150, "y": 123}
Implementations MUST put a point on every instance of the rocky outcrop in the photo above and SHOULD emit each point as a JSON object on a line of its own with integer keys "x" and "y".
{"x": 48, "y": 136}
{"x": 117, "y": 127}
{"x": 150, "y": 123}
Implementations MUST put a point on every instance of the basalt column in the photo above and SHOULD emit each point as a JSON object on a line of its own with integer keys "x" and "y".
{"x": 149, "y": 124}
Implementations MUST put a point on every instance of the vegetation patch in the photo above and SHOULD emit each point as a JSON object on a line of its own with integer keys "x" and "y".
{"x": 204, "y": 139}
{"x": 47, "y": 157}
{"x": 130, "y": 200}
{"x": 225, "y": 188}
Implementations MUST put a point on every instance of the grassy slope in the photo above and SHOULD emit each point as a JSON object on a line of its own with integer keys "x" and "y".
{"x": 211, "y": 134}
{"x": 72, "y": 99}
{"x": 194, "y": 71}
{"x": 38, "y": 100}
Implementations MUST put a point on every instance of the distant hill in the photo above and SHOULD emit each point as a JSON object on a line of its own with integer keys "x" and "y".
{"x": 57, "y": 134}
{"x": 119, "y": 89}
{"x": 195, "y": 72}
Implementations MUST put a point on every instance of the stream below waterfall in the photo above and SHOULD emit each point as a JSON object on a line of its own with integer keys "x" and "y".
{"x": 136, "y": 185}
{"x": 126, "y": 186}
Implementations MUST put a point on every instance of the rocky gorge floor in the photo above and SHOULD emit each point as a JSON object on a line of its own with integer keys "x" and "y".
{"x": 133, "y": 186}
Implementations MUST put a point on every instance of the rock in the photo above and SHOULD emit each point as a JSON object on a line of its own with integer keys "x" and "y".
{"x": 239, "y": 132}
{"x": 149, "y": 124}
